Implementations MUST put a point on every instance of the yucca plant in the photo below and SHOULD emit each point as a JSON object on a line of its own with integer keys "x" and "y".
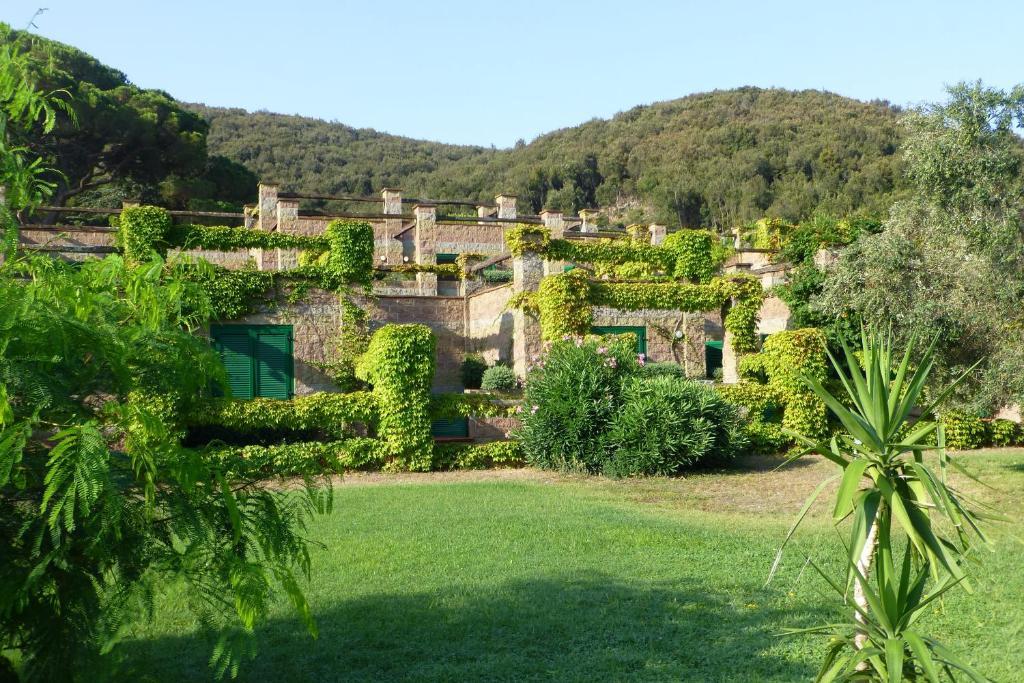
{"x": 886, "y": 486}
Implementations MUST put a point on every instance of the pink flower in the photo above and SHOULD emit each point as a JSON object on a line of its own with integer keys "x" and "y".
{"x": 602, "y": 350}
{"x": 534, "y": 409}
{"x": 519, "y": 409}
{"x": 641, "y": 358}
{"x": 612, "y": 363}
{"x": 579, "y": 342}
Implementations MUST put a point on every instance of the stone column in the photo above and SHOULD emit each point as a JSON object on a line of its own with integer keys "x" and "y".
{"x": 527, "y": 271}
{"x": 588, "y": 216}
{"x": 694, "y": 355}
{"x": 506, "y": 205}
{"x": 484, "y": 211}
{"x": 730, "y": 360}
{"x": 287, "y": 221}
{"x": 387, "y": 245}
{"x": 267, "y": 206}
{"x": 426, "y": 241}
{"x": 658, "y": 233}
{"x": 554, "y": 221}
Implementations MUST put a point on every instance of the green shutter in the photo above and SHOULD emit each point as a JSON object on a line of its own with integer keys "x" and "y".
{"x": 640, "y": 332}
{"x": 457, "y": 427}
{"x": 712, "y": 357}
{"x": 274, "y": 364}
{"x": 235, "y": 346}
{"x": 257, "y": 359}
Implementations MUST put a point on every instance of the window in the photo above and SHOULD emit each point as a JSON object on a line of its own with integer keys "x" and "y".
{"x": 258, "y": 359}
{"x": 640, "y": 332}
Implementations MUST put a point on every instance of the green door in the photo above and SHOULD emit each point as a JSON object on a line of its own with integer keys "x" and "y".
{"x": 456, "y": 427}
{"x": 257, "y": 358}
{"x": 640, "y": 332}
{"x": 712, "y": 357}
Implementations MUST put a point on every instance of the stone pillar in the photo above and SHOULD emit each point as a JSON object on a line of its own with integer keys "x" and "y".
{"x": 267, "y": 206}
{"x": 730, "y": 360}
{"x": 527, "y": 271}
{"x": 737, "y": 242}
{"x": 554, "y": 221}
{"x": 658, "y": 233}
{"x": 506, "y": 205}
{"x": 426, "y": 241}
{"x": 128, "y": 203}
{"x": 287, "y": 211}
{"x": 694, "y": 356}
{"x": 588, "y": 216}
{"x": 387, "y": 246}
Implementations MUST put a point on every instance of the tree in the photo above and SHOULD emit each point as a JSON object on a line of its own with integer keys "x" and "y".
{"x": 949, "y": 262}
{"x": 100, "y": 507}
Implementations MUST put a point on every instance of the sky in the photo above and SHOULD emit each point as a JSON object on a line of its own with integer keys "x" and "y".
{"x": 490, "y": 73}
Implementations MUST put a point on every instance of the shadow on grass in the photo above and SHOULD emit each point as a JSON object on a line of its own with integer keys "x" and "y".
{"x": 571, "y": 629}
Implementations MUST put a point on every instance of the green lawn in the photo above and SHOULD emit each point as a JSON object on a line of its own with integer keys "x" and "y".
{"x": 530, "y": 576}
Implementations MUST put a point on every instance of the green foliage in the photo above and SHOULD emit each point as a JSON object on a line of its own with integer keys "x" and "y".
{"x": 964, "y": 432}
{"x": 789, "y": 358}
{"x": 694, "y": 254}
{"x": 761, "y": 407}
{"x": 716, "y": 159}
{"x": 444, "y": 406}
{"x": 332, "y": 413}
{"x": 98, "y": 364}
{"x": 525, "y": 238}
{"x": 666, "y": 369}
{"x": 610, "y": 251}
{"x": 351, "y": 251}
{"x": 472, "y": 370}
{"x": 668, "y": 424}
{"x": 143, "y": 230}
{"x": 1003, "y": 433}
{"x": 221, "y": 238}
{"x": 399, "y": 363}
{"x": 571, "y": 398}
{"x": 477, "y": 456}
{"x": 500, "y": 378}
{"x": 301, "y": 457}
{"x": 887, "y": 486}
{"x": 563, "y": 302}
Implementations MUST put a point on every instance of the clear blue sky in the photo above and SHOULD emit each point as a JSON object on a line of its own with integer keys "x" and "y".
{"x": 490, "y": 73}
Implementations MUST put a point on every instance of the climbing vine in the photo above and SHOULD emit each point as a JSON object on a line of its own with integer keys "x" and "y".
{"x": 351, "y": 251}
{"x": 144, "y": 229}
{"x": 399, "y": 363}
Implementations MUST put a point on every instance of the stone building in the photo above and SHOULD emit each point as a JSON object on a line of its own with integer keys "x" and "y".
{"x": 466, "y": 315}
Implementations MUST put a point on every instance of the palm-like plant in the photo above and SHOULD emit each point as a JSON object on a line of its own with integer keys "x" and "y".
{"x": 885, "y": 485}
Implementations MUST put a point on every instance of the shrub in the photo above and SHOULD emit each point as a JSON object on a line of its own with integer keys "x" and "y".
{"x": 786, "y": 358}
{"x": 667, "y": 424}
{"x": 964, "y": 432}
{"x": 472, "y": 370}
{"x": 351, "y": 255}
{"x": 328, "y": 412}
{"x": 668, "y": 369}
{"x": 143, "y": 230}
{"x": 1004, "y": 432}
{"x": 571, "y": 397}
{"x": 475, "y": 456}
{"x": 500, "y": 378}
{"x": 399, "y": 363}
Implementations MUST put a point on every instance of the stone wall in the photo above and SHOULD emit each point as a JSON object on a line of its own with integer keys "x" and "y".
{"x": 490, "y": 323}
{"x": 444, "y": 316}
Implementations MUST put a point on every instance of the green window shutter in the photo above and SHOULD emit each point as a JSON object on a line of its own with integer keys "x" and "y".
{"x": 640, "y": 332}
{"x": 712, "y": 357}
{"x": 446, "y": 258}
{"x": 454, "y": 427}
{"x": 274, "y": 364}
{"x": 234, "y": 344}
{"x": 567, "y": 267}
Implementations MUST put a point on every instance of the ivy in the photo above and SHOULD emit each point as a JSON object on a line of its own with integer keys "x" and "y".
{"x": 143, "y": 230}
{"x": 611, "y": 251}
{"x": 693, "y": 254}
{"x": 744, "y": 296}
{"x": 564, "y": 304}
{"x": 789, "y": 357}
{"x": 524, "y": 239}
{"x": 399, "y": 363}
{"x": 222, "y": 238}
{"x": 476, "y": 456}
{"x": 466, "y": 405}
{"x": 302, "y": 457}
{"x": 351, "y": 251}
{"x": 330, "y": 412}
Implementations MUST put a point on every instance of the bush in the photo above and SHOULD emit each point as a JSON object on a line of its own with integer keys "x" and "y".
{"x": 476, "y": 456}
{"x": 142, "y": 231}
{"x": 499, "y": 378}
{"x": 571, "y": 398}
{"x": 667, "y": 424}
{"x": 668, "y": 369}
{"x": 399, "y": 363}
{"x": 472, "y": 370}
{"x": 1004, "y": 433}
{"x": 964, "y": 432}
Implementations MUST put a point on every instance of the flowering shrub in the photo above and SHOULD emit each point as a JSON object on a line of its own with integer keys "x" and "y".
{"x": 667, "y": 424}
{"x": 571, "y": 397}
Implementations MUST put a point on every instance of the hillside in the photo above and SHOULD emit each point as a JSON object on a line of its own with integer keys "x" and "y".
{"x": 718, "y": 158}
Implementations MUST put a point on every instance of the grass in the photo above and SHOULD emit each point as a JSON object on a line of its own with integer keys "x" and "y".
{"x": 513, "y": 576}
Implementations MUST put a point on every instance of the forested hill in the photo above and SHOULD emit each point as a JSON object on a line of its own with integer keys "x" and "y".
{"x": 719, "y": 158}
